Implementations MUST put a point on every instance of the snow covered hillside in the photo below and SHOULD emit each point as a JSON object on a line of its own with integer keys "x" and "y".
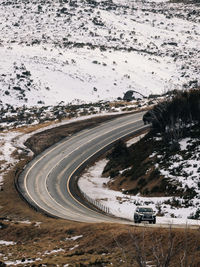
{"x": 174, "y": 210}
{"x": 53, "y": 51}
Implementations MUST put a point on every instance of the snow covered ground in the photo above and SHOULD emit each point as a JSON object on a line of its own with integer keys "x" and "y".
{"x": 20, "y": 262}
{"x": 183, "y": 170}
{"x": 122, "y": 205}
{"x": 6, "y": 243}
{"x": 7, "y": 160}
{"x": 53, "y": 80}
{"x": 92, "y": 50}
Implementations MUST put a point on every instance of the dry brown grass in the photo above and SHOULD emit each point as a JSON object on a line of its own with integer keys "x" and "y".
{"x": 31, "y": 128}
{"x": 112, "y": 245}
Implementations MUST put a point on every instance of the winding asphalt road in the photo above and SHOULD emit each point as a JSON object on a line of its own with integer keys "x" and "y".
{"x": 48, "y": 182}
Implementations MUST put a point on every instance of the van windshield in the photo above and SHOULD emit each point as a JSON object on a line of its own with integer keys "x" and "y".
{"x": 145, "y": 210}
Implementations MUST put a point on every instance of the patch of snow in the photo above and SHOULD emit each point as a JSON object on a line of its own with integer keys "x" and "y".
{"x": 73, "y": 238}
{"x": 158, "y": 138}
{"x": 53, "y": 251}
{"x": 6, "y": 153}
{"x": 149, "y": 264}
{"x": 92, "y": 182}
{"x": 24, "y": 222}
{"x": 7, "y": 243}
{"x": 153, "y": 155}
{"x": 21, "y": 262}
{"x": 37, "y": 224}
{"x": 134, "y": 140}
{"x": 183, "y": 143}
{"x": 121, "y": 171}
{"x": 76, "y": 246}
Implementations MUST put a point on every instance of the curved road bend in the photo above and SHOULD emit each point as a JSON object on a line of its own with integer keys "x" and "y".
{"x": 48, "y": 180}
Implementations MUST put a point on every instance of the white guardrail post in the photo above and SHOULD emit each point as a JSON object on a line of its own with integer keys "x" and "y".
{"x": 94, "y": 202}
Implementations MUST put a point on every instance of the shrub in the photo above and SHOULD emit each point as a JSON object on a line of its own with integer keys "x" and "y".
{"x": 114, "y": 173}
{"x": 170, "y": 118}
{"x": 155, "y": 174}
{"x": 142, "y": 182}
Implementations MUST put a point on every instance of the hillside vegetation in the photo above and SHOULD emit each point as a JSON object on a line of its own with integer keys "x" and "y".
{"x": 172, "y": 119}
